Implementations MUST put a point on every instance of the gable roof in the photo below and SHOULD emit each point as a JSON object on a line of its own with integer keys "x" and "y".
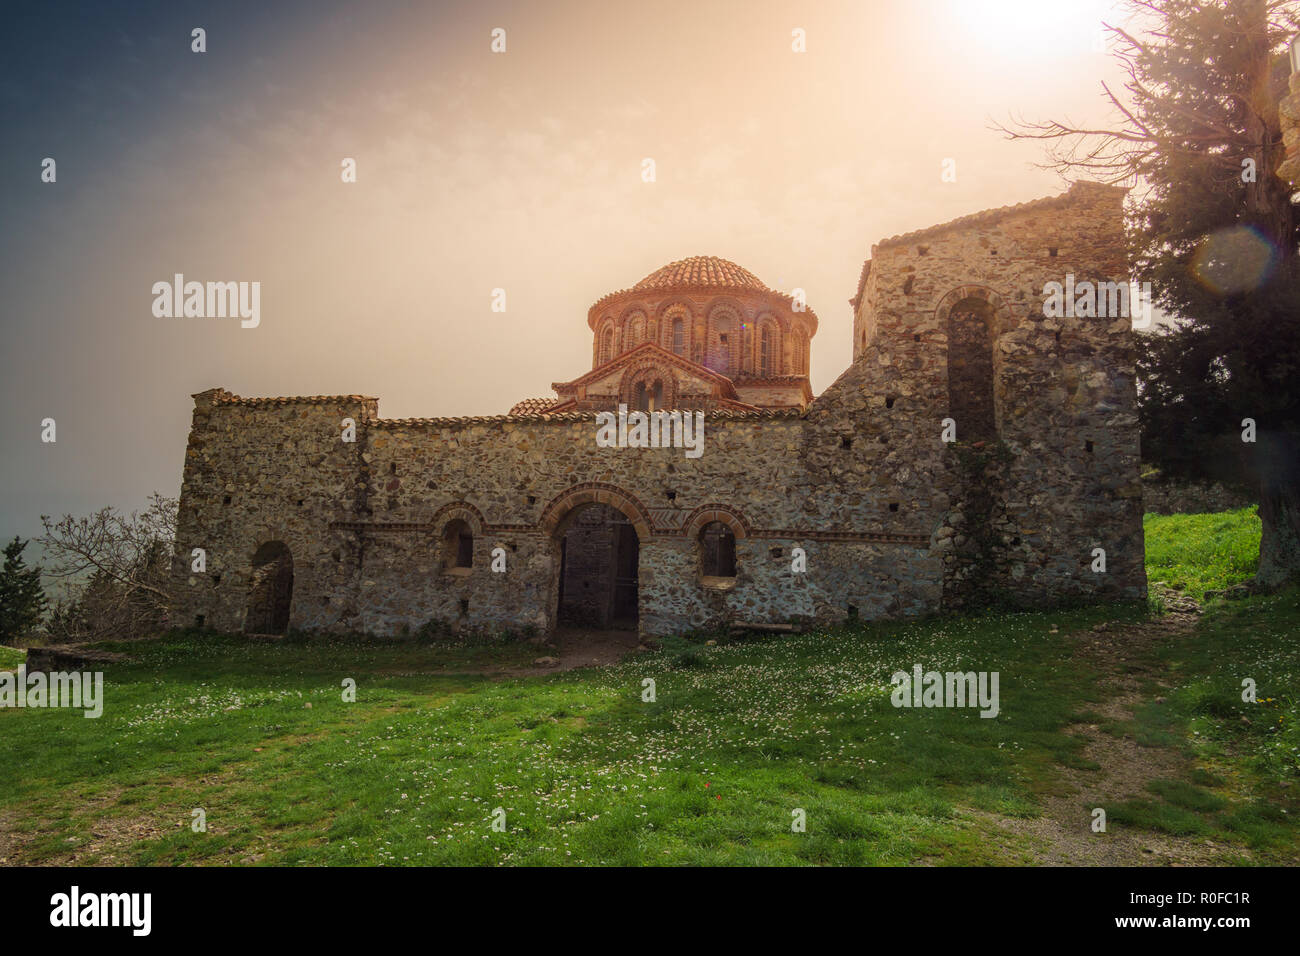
{"x": 986, "y": 217}
{"x": 646, "y": 350}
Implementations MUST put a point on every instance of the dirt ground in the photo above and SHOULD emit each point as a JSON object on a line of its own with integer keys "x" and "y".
{"x": 574, "y": 647}
{"x": 1063, "y": 835}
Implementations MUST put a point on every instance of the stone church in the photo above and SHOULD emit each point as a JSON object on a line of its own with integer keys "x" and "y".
{"x": 978, "y": 449}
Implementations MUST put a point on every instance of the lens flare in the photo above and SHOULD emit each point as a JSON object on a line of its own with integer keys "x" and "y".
{"x": 1234, "y": 260}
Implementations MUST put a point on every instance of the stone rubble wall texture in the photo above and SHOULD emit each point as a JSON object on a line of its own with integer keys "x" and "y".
{"x": 1193, "y": 497}
{"x": 861, "y": 480}
{"x": 1289, "y": 116}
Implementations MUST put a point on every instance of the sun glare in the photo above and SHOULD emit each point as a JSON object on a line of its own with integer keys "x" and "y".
{"x": 1032, "y": 30}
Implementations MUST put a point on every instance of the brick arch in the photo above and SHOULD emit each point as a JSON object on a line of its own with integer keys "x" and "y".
{"x": 665, "y": 313}
{"x": 725, "y": 303}
{"x": 648, "y": 371}
{"x": 459, "y": 509}
{"x": 779, "y": 337}
{"x": 630, "y": 312}
{"x": 661, "y": 309}
{"x": 735, "y": 354}
{"x": 605, "y": 325}
{"x": 559, "y": 512}
{"x": 731, "y": 517}
{"x": 997, "y": 304}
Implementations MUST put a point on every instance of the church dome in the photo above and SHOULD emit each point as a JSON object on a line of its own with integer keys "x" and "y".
{"x": 701, "y": 272}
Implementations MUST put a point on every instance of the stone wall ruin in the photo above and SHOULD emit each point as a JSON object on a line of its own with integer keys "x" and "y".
{"x": 892, "y": 520}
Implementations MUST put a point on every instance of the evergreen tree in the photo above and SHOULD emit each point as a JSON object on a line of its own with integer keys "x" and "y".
{"x": 1215, "y": 232}
{"x": 22, "y": 599}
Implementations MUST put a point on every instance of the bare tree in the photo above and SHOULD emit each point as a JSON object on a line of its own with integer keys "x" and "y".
{"x": 117, "y": 566}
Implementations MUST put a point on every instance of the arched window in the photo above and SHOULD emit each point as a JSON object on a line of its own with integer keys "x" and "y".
{"x": 635, "y": 332}
{"x": 720, "y": 360}
{"x": 648, "y": 397}
{"x": 765, "y": 363}
{"x": 970, "y": 370}
{"x": 457, "y": 545}
{"x": 606, "y": 345}
{"x": 799, "y": 358}
{"x": 679, "y": 337}
{"x": 717, "y": 551}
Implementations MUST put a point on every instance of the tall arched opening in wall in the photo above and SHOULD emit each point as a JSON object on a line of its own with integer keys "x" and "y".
{"x": 974, "y": 318}
{"x": 596, "y": 536}
{"x": 270, "y": 590}
{"x": 971, "y": 317}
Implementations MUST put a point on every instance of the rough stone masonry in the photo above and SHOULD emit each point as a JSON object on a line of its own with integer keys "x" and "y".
{"x": 849, "y": 505}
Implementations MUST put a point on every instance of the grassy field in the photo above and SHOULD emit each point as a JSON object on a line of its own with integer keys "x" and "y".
{"x": 739, "y": 736}
{"x": 1199, "y": 553}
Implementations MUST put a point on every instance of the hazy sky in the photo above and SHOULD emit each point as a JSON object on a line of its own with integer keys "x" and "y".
{"x": 476, "y": 170}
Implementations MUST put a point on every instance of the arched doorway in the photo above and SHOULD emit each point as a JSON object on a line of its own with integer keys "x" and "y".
{"x": 599, "y": 568}
{"x": 270, "y": 591}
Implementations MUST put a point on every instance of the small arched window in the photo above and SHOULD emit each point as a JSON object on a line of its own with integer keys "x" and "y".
{"x": 766, "y": 366}
{"x": 606, "y": 345}
{"x": 457, "y": 545}
{"x": 800, "y": 356}
{"x": 648, "y": 397}
{"x": 717, "y": 551}
{"x": 679, "y": 337}
{"x": 635, "y": 333}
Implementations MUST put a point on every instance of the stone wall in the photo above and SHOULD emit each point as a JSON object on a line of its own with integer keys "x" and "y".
{"x": 1192, "y": 497}
{"x": 892, "y": 521}
{"x": 1064, "y": 389}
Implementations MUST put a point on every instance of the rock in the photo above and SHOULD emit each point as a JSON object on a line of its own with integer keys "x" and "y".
{"x": 67, "y": 657}
{"x": 547, "y": 661}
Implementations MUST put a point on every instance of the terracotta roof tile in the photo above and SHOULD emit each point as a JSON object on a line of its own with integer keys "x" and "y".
{"x": 533, "y": 406}
{"x": 705, "y": 271}
{"x": 701, "y": 273}
{"x": 740, "y": 415}
{"x": 231, "y": 399}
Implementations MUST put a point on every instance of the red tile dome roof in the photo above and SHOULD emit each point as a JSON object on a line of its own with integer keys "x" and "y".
{"x": 706, "y": 271}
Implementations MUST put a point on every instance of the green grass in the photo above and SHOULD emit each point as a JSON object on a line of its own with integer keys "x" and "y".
{"x": 1247, "y": 753}
{"x": 11, "y": 657}
{"x": 738, "y": 737}
{"x": 1204, "y": 552}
